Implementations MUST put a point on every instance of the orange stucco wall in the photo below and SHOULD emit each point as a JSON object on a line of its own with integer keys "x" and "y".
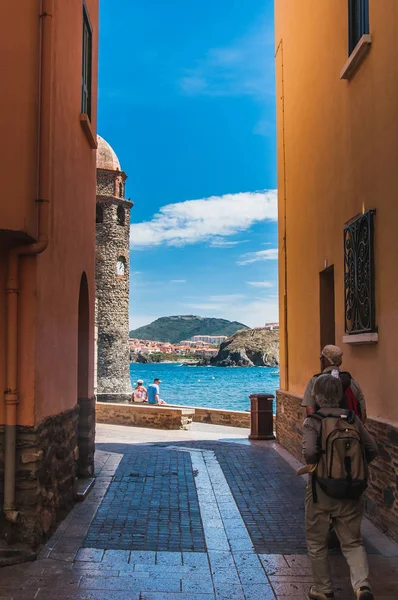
{"x": 50, "y": 282}
{"x": 337, "y": 156}
{"x": 19, "y": 60}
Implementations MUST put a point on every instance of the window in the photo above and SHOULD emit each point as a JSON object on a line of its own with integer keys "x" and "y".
{"x": 359, "y": 293}
{"x": 121, "y": 190}
{"x": 86, "y": 64}
{"x": 121, "y": 266}
{"x": 358, "y": 21}
{"x": 121, "y": 215}
{"x": 99, "y": 214}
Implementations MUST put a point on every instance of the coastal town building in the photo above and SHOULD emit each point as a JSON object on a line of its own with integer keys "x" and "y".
{"x": 271, "y": 326}
{"x": 148, "y": 347}
{"x": 47, "y": 260}
{"x": 210, "y": 339}
{"x": 337, "y": 122}
{"x": 112, "y": 277}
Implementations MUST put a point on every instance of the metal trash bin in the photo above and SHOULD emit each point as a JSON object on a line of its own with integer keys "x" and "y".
{"x": 261, "y": 417}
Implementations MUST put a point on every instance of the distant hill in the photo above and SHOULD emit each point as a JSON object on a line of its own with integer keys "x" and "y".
{"x": 183, "y": 327}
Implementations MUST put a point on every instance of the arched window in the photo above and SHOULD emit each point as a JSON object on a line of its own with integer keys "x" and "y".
{"x": 121, "y": 266}
{"x": 121, "y": 190}
{"x": 99, "y": 214}
{"x": 121, "y": 215}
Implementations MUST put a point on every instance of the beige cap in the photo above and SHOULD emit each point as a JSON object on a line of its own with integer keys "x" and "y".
{"x": 333, "y": 354}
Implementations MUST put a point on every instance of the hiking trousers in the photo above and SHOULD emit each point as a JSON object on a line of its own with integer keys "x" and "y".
{"x": 346, "y": 516}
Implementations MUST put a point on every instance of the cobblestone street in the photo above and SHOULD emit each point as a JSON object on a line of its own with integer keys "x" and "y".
{"x": 196, "y": 515}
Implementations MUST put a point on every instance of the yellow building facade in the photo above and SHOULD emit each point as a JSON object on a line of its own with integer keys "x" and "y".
{"x": 337, "y": 120}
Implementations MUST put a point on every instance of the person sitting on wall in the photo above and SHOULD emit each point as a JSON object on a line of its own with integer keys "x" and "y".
{"x": 139, "y": 393}
{"x": 352, "y": 396}
{"x": 153, "y": 391}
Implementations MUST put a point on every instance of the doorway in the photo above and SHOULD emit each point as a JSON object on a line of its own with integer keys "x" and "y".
{"x": 86, "y": 430}
{"x": 327, "y": 307}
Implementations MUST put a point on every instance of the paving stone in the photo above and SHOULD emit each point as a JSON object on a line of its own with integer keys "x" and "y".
{"x": 250, "y": 576}
{"x": 123, "y": 583}
{"x": 62, "y": 556}
{"x": 258, "y": 591}
{"x": 238, "y": 544}
{"x": 68, "y": 579}
{"x": 165, "y": 571}
{"x": 163, "y": 596}
{"x": 169, "y": 558}
{"x": 272, "y": 563}
{"x": 17, "y": 594}
{"x": 90, "y": 555}
{"x": 87, "y": 595}
{"x": 229, "y": 592}
{"x": 147, "y": 558}
{"x": 116, "y": 557}
{"x": 290, "y": 589}
{"x": 219, "y": 560}
{"x": 298, "y": 561}
{"x": 196, "y": 585}
{"x": 195, "y": 559}
{"x": 225, "y": 576}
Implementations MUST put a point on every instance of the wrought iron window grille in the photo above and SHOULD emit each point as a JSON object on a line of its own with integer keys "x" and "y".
{"x": 359, "y": 280}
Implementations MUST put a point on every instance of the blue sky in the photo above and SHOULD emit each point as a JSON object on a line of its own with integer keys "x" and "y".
{"x": 187, "y": 101}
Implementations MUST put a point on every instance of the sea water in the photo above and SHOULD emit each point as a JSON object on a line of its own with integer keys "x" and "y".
{"x": 217, "y": 387}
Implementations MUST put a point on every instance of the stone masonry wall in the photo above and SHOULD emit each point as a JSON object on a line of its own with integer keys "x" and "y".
{"x": 112, "y": 242}
{"x": 381, "y": 498}
{"x": 105, "y": 183}
{"x": 46, "y": 470}
{"x": 382, "y": 495}
{"x": 215, "y": 416}
{"x": 86, "y": 436}
{"x": 154, "y": 417}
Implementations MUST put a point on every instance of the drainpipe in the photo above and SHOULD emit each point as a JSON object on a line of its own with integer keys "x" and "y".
{"x": 11, "y": 394}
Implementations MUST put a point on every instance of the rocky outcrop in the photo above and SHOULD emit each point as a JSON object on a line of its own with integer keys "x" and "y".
{"x": 249, "y": 348}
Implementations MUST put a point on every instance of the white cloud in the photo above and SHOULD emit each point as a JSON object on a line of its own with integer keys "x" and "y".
{"x": 220, "y": 243}
{"x": 252, "y": 257}
{"x": 244, "y": 68}
{"x": 260, "y": 284}
{"x": 236, "y": 307}
{"x": 205, "y": 219}
{"x": 178, "y": 281}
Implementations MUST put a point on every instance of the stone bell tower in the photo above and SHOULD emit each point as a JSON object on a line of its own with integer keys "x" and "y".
{"x": 112, "y": 277}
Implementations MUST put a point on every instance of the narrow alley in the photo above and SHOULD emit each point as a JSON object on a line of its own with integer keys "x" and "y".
{"x": 190, "y": 515}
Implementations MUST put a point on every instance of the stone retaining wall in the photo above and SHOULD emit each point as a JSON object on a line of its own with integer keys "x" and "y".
{"x": 381, "y": 499}
{"x": 143, "y": 415}
{"x": 86, "y": 436}
{"x": 117, "y": 398}
{"x": 215, "y": 416}
{"x": 46, "y": 470}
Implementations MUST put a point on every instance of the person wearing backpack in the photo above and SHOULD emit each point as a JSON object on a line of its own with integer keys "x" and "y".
{"x": 352, "y": 396}
{"x": 337, "y": 450}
